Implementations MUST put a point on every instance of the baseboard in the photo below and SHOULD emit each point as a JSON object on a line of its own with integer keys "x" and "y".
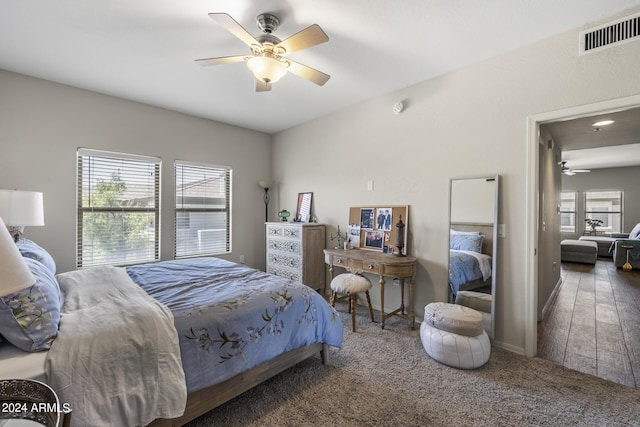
{"x": 551, "y": 299}
{"x": 509, "y": 347}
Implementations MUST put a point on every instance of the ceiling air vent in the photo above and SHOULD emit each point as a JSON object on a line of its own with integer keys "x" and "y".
{"x": 614, "y": 33}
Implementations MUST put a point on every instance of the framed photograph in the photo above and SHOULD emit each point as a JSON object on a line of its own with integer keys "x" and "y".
{"x": 366, "y": 218}
{"x": 373, "y": 239}
{"x": 353, "y": 235}
{"x": 383, "y": 218}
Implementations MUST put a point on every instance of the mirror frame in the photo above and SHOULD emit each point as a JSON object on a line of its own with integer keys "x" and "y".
{"x": 300, "y": 215}
{"x": 494, "y": 254}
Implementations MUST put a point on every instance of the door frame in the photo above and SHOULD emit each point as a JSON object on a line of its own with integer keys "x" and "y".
{"x": 532, "y": 200}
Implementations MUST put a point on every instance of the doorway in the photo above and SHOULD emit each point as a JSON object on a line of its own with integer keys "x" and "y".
{"x": 533, "y": 190}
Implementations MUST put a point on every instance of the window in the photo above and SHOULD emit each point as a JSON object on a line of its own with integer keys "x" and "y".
{"x": 605, "y": 206}
{"x": 118, "y": 208}
{"x": 568, "y": 212}
{"x": 203, "y": 209}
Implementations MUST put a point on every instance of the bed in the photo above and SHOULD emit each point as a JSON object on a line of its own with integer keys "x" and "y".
{"x": 217, "y": 328}
{"x": 470, "y": 262}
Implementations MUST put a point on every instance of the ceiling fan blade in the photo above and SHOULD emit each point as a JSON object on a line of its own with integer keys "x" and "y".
{"x": 315, "y": 76}
{"x": 234, "y": 28}
{"x": 222, "y": 60}
{"x": 308, "y": 37}
{"x": 262, "y": 86}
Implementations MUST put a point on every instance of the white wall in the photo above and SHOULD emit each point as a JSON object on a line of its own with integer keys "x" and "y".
{"x": 42, "y": 124}
{"x": 470, "y": 122}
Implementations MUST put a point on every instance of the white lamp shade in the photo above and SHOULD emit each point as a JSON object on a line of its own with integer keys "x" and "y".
{"x": 265, "y": 185}
{"x": 21, "y": 208}
{"x": 267, "y": 69}
{"x": 14, "y": 272}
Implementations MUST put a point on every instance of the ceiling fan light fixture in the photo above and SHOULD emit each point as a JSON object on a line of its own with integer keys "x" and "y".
{"x": 267, "y": 69}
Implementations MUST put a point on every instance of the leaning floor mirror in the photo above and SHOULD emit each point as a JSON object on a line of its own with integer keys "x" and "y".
{"x": 473, "y": 229}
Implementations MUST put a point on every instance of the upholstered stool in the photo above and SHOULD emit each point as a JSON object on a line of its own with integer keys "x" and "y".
{"x": 584, "y": 251}
{"x": 478, "y": 301}
{"x": 452, "y": 334}
{"x": 351, "y": 285}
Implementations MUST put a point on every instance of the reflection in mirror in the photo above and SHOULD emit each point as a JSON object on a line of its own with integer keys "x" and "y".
{"x": 303, "y": 212}
{"x": 473, "y": 224}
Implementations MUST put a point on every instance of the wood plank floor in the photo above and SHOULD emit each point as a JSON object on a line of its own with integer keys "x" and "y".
{"x": 593, "y": 325}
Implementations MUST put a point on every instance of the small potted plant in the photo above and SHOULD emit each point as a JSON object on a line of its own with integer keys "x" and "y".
{"x": 593, "y": 223}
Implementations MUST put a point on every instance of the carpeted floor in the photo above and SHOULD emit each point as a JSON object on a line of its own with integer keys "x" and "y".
{"x": 385, "y": 378}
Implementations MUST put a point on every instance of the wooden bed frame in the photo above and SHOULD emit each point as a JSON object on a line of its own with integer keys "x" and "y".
{"x": 202, "y": 401}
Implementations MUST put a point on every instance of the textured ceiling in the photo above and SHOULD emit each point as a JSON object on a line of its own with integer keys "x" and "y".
{"x": 583, "y": 147}
{"x": 144, "y": 50}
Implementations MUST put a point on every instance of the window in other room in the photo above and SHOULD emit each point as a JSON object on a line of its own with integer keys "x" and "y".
{"x": 203, "y": 209}
{"x": 568, "y": 212}
{"x": 605, "y": 206}
{"x": 118, "y": 208}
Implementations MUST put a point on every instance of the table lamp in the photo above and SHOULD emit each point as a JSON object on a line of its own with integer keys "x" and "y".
{"x": 15, "y": 273}
{"x": 19, "y": 209}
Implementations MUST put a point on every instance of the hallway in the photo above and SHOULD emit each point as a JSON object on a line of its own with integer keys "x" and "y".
{"x": 593, "y": 325}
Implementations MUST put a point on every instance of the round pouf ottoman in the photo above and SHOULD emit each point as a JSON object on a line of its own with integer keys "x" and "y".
{"x": 453, "y": 335}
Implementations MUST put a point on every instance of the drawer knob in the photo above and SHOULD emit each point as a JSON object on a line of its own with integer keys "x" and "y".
{"x": 338, "y": 261}
{"x": 370, "y": 267}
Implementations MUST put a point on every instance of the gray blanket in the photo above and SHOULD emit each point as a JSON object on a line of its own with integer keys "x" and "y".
{"x": 116, "y": 359}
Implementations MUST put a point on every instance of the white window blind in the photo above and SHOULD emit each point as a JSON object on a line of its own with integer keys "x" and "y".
{"x": 568, "y": 212}
{"x": 203, "y": 209}
{"x": 605, "y": 206}
{"x": 118, "y": 208}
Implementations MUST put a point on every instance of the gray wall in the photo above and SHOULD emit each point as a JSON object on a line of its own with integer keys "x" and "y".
{"x": 470, "y": 122}
{"x": 626, "y": 179}
{"x": 42, "y": 124}
{"x": 549, "y": 237}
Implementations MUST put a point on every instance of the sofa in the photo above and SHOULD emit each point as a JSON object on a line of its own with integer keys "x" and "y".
{"x": 630, "y": 244}
{"x": 606, "y": 244}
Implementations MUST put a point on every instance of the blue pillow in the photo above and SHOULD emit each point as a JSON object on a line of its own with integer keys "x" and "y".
{"x": 30, "y": 249}
{"x": 29, "y": 318}
{"x": 466, "y": 242}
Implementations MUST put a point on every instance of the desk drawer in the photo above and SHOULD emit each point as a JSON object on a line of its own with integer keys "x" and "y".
{"x": 337, "y": 260}
{"x": 399, "y": 270}
{"x": 364, "y": 266}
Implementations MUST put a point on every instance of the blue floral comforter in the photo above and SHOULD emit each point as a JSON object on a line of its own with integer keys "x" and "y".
{"x": 230, "y": 317}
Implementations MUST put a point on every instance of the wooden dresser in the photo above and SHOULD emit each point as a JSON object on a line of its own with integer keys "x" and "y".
{"x": 295, "y": 251}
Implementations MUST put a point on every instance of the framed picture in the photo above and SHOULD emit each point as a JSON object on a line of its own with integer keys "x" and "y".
{"x": 383, "y": 218}
{"x": 366, "y": 218}
{"x": 373, "y": 239}
{"x": 353, "y": 235}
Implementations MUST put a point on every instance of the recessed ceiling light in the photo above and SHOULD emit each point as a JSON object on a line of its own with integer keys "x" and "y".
{"x": 603, "y": 123}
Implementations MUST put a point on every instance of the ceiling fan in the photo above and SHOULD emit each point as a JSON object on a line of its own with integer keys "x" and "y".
{"x": 566, "y": 170}
{"x": 267, "y": 60}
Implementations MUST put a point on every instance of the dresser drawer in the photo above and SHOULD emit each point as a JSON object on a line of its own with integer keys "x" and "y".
{"x": 286, "y": 246}
{"x": 294, "y": 233}
{"x": 289, "y": 261}
{"x": 283, "y": 272}
{"x": 274, "y": 231}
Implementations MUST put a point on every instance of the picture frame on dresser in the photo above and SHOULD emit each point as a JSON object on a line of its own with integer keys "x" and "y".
{"x": 303, "y": 210}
